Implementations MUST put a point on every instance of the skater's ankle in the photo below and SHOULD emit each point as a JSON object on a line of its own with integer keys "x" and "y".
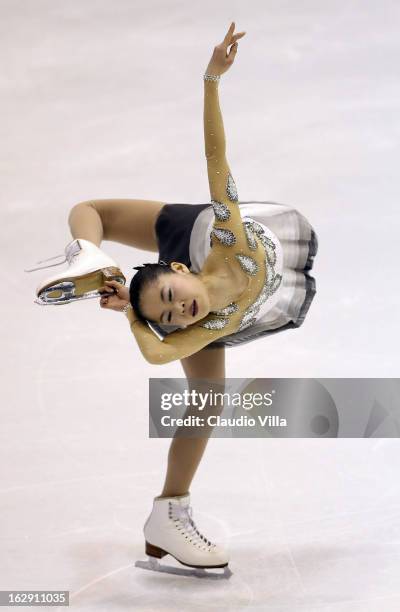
{"x": 171, "y": 494}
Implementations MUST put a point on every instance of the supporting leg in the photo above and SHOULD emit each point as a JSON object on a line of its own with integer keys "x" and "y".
{"x": 185, "y": 453}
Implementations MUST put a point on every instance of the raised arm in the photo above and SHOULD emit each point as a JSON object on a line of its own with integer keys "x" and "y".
{"x": 228, "y": 228}
{"x": 228, "y": 222}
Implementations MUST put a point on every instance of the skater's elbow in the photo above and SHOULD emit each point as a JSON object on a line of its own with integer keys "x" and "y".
{"x": 152, "y": 359}
{"x": 157, "y": 358}
{"x": 151, "y": 356}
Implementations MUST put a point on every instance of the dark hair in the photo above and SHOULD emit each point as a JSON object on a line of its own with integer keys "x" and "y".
{"x": 147, "y": 273}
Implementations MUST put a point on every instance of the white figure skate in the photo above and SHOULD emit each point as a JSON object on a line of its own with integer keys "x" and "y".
{"x": 170, "y": 530}
{"x": 88, "y": 268}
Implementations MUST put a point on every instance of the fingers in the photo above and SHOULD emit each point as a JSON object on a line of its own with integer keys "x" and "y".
{"x": 230, "y": 37}
{"x": 111, "y": 294}
{"x": 112, "y": 286}
{"x": 113, "y": 283}
{"x": 109, "y": 301}
{"x": 230, "y": 31}
{"x": 233, "y": 50}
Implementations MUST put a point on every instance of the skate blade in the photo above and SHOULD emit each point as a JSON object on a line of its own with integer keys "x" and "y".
{"x": 79, "y": 288}
{"x": 198, "y": 572}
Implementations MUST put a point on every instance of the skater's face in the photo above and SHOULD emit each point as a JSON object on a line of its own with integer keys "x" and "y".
{"x": 178, "y": 299}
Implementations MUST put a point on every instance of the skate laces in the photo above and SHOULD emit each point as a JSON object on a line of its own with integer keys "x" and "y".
{"x": 71, "y": 256}
{"x": 68, "y": 256}
{"x": 184, "y": 515}
{"x": 48, "y": 265}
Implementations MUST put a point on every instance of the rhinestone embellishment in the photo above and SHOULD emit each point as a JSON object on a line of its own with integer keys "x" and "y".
{"x": 273, "y": 286}
{"x": 221, "y": 211}
{"x": 230, "y": 309}
{"x": 248, "y": 264}
{"x": 245, "y": 324}
{"x": 231, "y": 189}
{"x": 269, "y": 249}
{"x": 255, "y": 227}
{"x": 273, "y": 280}
{"x": 225, "y": 236}
{"x": 215, "y": 323}
{"x": 251, "y": 239}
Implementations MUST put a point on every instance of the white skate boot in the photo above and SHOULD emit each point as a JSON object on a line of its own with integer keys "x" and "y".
{"x": 170, "y": 530}
{"x": 88, "y": 268}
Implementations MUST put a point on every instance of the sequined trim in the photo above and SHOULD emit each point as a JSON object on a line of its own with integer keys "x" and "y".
{"x": 269, "y": 249}
{"x": 245, "y": 323}
{"x": 255, "y": 227}
{"x": 251, "y": 239}
{"x": 273, "y": 280}
{"x": 221, "y": 210}
{"x": 231, "y": 189}
{"x": 225, "y": 236}
{"x": 275, "y": 284}
{"x": 248, "y": 264}
{"x": 215, "y": 323}
{"x": 230, "y": 309}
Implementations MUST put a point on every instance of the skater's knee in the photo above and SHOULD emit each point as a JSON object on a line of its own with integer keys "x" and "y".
{"x": 74, "y": 209}
{"x": 80, "y": 208}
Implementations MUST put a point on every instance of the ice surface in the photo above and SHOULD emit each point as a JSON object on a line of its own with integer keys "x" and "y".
{"x": 103, "y": 99}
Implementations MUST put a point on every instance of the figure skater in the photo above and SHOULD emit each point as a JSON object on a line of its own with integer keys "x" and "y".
{"x": 228, "y": 272}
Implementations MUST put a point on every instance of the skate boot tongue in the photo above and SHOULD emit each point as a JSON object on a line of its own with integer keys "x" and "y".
{"x": 182, "y": 512}
{"x": 72, "y": 248}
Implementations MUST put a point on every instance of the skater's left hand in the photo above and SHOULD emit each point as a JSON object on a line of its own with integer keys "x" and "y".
{"x": 118, "y": 296}
{"x": 221, "y": 59}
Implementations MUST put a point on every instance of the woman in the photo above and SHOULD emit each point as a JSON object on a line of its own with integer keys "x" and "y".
{"x": 228, "y": 273}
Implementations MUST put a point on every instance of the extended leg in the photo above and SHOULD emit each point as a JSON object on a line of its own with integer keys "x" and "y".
{"x": 130, "y": 222}
{"x": 185, "y": 454}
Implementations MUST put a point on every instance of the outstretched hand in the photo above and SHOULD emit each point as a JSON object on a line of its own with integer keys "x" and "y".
{"x": 221, "y": 59}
